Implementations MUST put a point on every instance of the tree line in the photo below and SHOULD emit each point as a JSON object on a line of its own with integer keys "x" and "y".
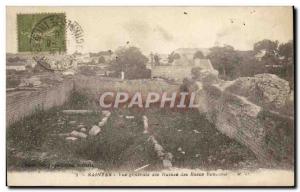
{"x": 267, "y": 56}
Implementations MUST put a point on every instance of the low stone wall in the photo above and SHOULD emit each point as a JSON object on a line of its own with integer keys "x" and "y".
{"x": 94, "y": 86}
{"x": 172, "y": 72}
{"x": 23, "y": 103}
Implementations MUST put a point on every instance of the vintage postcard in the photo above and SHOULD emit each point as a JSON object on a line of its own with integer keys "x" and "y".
{"x": 150, "y": 96}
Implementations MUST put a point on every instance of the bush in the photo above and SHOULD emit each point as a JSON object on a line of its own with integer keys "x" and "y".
{"x": 132, "y": 62}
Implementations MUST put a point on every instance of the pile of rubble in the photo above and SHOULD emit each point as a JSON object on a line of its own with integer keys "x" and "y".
{"x": 266, "y": 90}
{"x": 81, "y": 132}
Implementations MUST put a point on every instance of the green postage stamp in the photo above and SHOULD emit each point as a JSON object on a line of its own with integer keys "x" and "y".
{"x": 42, "y": 32}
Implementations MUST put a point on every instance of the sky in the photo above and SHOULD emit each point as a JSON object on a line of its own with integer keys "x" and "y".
{"x": 164, "y": 29}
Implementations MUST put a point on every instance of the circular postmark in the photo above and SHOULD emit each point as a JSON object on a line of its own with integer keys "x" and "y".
{"x": 55, "y": 62}
{"x": 48, "y": 35}
{"x": 77, "y": 34}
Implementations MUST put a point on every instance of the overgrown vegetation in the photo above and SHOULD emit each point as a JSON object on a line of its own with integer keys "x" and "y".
{"x": 132, "y": 62}
{"x": 267, "y": 56}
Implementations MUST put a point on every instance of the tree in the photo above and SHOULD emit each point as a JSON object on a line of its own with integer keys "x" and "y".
{"x": 132, "y": 62}
{"x": 199, "y": 55}
{"x": 278, "y": 58}
{"x": 225, "y": 60}
{"x": 151, "y": 58}
{"x": 173, "y": 56}
{"x": 249, "y": 66}
{"x": 156, "y": 59}
{"x": 101, "y": 59}
{"x": 268, "y": 45}
{"x": 286, "y": 51}
{"x": 270, "y": 49}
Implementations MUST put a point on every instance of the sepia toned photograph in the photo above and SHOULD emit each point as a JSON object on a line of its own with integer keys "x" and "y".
{"x": 150, "y": 96}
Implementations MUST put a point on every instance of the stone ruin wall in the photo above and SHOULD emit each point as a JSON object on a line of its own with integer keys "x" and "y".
{"x": 267, "y": 133}
{"x": 23, "y": 103}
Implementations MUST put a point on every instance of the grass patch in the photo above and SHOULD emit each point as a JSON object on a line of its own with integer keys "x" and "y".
{"x": 203, "y": 145}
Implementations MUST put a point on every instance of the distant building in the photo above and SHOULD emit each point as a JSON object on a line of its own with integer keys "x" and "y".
{"x": 107, "y": 55}
{"x": 164, "y": 59}
{"x": 18, "y": 66}
{"x": 189, "y": 52}
{"x": 187, "y": 55}
{"x": 16, "y": 63}
{"x": 182, "y": 65}
{"x": 95, "y": 58}
{"x": 260, "y": 55}
{"x": 83, "y": 58}
{"x": 204, "y": 64}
